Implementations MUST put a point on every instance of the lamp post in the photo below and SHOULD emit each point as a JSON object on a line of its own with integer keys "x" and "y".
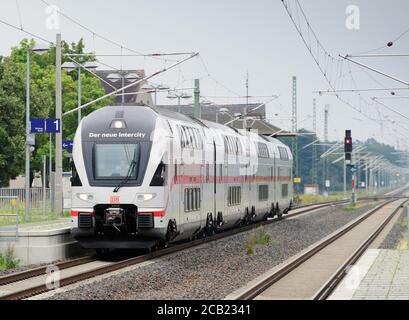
{"x": 123, "y": 75}
{"x": 39, "y": 50}
{"x": 155, "y": 89}
{"x": 179, "y": 95}
{"x": 71, "y": 66}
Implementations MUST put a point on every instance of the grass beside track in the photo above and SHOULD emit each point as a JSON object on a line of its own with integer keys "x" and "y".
{"x": 35, "y": 216}
{"x": 356, "y": 206}
{"x": 7, "y": 260}
{"x": 336, "y": 196}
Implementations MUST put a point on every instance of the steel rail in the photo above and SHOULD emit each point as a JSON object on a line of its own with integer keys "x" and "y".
{"x": 26, "y": 293}
{"x": 27, "y": 274}
{"x": 334, "y": 281}
{"x": 256, "y": 290}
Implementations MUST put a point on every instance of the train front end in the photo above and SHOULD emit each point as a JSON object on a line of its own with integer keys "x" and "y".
{"x": 117, "y": 184}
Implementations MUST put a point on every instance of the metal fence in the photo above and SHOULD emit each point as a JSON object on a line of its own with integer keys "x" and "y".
{"x": 9, "y": 212}
{"x": 40, "y": 199}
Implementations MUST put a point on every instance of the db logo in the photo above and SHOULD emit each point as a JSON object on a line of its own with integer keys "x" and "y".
{"x": 115, "y": 200}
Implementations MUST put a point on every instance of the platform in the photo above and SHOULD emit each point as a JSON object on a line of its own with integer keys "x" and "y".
{"x": 378, "y": 275}
{"x": 42, "y": 242}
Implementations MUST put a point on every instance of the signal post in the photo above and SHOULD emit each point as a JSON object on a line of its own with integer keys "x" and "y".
{"x": 348, "y": 160}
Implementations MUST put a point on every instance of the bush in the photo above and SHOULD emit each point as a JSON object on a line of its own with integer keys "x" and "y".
{"x": 257, "y": 237}
{"x": 7, "y": 260}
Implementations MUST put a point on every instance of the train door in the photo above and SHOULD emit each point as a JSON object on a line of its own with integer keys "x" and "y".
{"x": 220, "y": 210}
{"x": 214, "y": 200}
{"x": 249, "y": 175}
{"x": 275, "y": 181}
{"x": 182, "y": 197}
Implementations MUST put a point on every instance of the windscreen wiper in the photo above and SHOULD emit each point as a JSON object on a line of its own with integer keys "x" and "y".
{"x": 128, "y": 176}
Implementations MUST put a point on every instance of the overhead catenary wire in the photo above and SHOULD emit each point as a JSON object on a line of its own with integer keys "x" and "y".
{"x": 389, "y": 44}
{"x": 25, "y": 31}
{"x": 130, "y": 55}
{"x": 91, "y": 72}
{"x": 96, "y": 34}
{"x": 131, "y": 84}
{"x": 321, "y": 63}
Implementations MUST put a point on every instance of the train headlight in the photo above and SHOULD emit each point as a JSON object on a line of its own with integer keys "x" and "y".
{"x": 145, "y": 196}
{"x": 85, "y": 196}
{"x": 118, "y": 124}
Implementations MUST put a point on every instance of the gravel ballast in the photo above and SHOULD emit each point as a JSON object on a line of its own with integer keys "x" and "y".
{"x": 397, "y": 234}
{"x": 214, "y": 270}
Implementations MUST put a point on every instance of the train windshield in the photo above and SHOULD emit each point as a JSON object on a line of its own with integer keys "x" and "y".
{"x": 114, "y": 161}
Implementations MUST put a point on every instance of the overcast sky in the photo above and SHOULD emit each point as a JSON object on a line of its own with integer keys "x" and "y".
{"x": 234, "y": 37}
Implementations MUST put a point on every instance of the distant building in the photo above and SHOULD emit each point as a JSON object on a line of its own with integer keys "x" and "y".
{"x": 311, "y": 189}
{"x": 220, "y": 113}
{"x": 133, "y": 95}
{"x": 225, "y": 114}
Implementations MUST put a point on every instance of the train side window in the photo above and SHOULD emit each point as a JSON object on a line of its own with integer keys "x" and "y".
{"x": 170, "y": 127}
{"x": 185, "y": 137}
{"x": 189, "y": 200}
{"x": 239, "y": 195}
{"x": 185, "y": 200}
{"x": 240, "y": 147}
{"x": 283, "y": 154}
{"x": 188, "y": 143}
{"x": 263, "y": 193}
{"x": 159, "y": 178}
{"x": 234, "y": 196}
{"x": 190, "y": 137}
{"x": 193, "y": 199}
{"x": 200, "y": 139}
{"x": 199, "y": 198}
{"x": 284, "y": 190}
{"x": 227, "y": 145}
{"x": 182, "y": 137}
{"x": 75, "y": 179}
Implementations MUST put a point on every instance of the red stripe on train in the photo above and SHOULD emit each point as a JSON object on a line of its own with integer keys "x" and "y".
{"x": 159, "y": 214}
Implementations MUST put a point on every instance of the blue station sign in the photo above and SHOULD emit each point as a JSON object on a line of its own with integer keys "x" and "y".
{"x": 45, "y": 126}
{"x": 68, "y": 145}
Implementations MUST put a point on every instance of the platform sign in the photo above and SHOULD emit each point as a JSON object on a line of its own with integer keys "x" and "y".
{"x": 45, "y": 125}
{"x": 67, "y": 145}
{"x": 328, "y": 184}
{"x": 37, "y": 125}
{"x": 297, "y": 180}
{"x": 31, "y": 140}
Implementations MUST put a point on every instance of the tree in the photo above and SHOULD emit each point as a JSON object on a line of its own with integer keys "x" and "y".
{"x": 12, "y": 103}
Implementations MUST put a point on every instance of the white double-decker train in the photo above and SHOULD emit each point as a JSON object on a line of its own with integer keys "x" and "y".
{"x": 144, "y": 176}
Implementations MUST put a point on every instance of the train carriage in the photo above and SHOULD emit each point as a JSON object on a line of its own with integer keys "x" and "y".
{"x": 143, "y": 176}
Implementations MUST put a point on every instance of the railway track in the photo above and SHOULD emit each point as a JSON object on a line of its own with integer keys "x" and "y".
{"x": 29, "y": 283}
{"x": 316, "y": 272}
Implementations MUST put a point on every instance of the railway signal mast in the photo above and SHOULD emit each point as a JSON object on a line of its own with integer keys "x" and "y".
{"x": 348, "y": 161}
